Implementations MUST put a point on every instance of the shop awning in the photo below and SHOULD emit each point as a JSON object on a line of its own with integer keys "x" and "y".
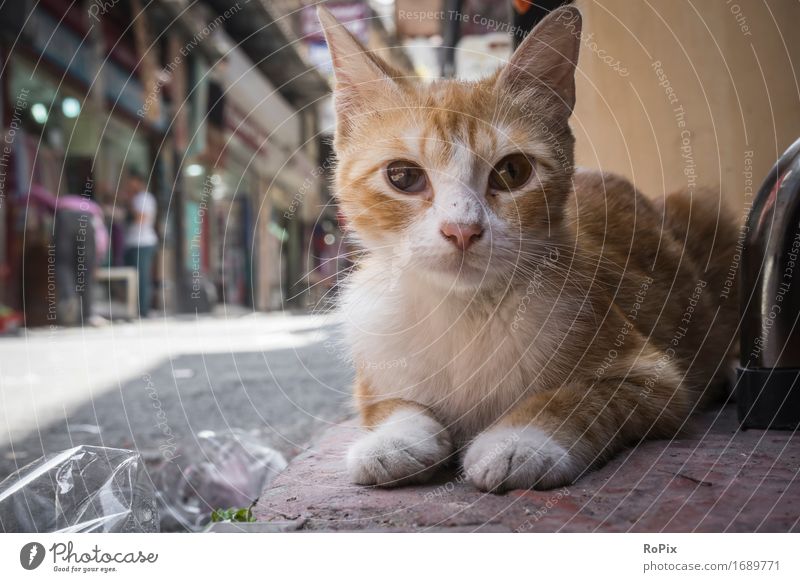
{"x": 256, "y": 31}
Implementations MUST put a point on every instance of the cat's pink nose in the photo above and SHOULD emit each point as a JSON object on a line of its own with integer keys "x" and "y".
{"x": 461, "y": 235}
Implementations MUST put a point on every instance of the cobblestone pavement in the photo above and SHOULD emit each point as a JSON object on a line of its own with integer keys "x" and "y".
{"x": 713, "y": 478}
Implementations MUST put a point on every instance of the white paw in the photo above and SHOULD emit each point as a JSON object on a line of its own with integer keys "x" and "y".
{"x": 405, "y": 448}
{"x": 518, "y": 458}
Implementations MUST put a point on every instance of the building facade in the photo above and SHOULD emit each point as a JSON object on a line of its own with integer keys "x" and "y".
{"x": 91, "y": 91}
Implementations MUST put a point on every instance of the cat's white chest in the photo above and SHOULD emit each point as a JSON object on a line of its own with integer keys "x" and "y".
{"x": 463, "y": 360}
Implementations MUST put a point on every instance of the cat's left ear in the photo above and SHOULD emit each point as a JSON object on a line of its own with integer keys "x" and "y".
{"x": 360, "y": 76}
{"x": 547, "y": 57}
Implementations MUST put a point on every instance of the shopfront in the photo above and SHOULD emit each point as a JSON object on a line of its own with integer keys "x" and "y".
{"x": 233, "y": 215}
{"x": 74, "y": 130}
{"x": 260, "y": 226}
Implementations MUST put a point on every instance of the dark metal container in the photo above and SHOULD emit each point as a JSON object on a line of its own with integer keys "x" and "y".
{"x": 768, "y": 387}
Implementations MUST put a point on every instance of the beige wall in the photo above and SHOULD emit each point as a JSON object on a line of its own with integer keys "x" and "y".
{"x": 736, "y": 80}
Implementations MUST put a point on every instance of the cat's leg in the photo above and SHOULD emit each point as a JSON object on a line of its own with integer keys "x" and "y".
{"x": 553, "y": 437}
{"x": 406, "y": 444}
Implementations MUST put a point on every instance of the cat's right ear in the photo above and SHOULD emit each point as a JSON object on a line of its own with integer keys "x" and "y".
{"x": 360, "y": 76}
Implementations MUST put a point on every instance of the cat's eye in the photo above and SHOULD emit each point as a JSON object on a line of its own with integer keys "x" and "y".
{"x": 406, "y": 176}
{"x": 511, "y": 172}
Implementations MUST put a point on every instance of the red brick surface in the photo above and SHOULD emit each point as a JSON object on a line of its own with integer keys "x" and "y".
{"x": 714, "y": 478}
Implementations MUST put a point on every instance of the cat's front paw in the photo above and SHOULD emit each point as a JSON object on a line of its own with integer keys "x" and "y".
{"x": 407, "y": 447}
{"x": 504, "y": 458}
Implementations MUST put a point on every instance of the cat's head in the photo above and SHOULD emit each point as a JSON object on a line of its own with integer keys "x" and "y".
{"x": 460, "y": 182}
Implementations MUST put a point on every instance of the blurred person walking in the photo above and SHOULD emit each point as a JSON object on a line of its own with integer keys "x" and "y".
{"x": 141, "y": 238}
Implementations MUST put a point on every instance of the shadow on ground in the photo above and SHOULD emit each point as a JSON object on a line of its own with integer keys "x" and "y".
{"x": 283, "y": 396}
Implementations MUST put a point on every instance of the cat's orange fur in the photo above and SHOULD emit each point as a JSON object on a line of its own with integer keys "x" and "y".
{"x": 626, "y": 333}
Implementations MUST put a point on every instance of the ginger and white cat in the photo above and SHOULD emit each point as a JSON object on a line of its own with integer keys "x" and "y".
{"x": 545, "y": 317}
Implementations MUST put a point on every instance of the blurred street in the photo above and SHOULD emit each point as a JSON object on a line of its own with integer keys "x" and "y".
{"x": 145, "y": 385}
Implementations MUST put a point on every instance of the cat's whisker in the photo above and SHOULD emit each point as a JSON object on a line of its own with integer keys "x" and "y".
{"x": 571, "y": 250}
{"x": 337, "y": 275}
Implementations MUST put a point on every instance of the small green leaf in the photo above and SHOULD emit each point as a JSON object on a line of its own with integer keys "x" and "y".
{"x": 243, "y": 514}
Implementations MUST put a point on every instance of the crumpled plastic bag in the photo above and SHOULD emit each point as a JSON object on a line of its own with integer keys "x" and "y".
{"x": 82, "y": 489}
{"x": 213, "y": 470}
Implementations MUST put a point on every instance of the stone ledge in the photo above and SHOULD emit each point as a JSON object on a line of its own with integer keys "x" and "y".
{"x": 714, "y": 478}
